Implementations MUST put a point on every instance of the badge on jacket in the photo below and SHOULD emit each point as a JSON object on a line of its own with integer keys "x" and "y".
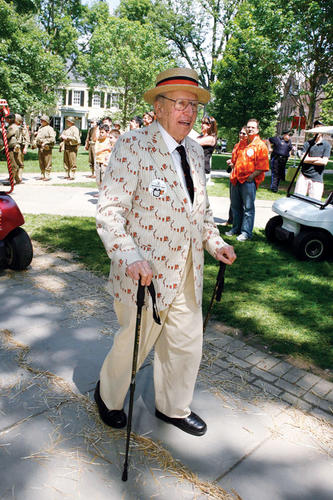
{"x": 157, "y": 188}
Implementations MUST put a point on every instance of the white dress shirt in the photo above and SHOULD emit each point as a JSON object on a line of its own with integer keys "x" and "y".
{"x": 172, "y": 144}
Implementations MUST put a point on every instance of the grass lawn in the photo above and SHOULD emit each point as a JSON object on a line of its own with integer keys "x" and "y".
{"x": 276, "y": 301}
{"x": 221, "y": 188}
{"x": 219, "y": 162}
{"x": 31, "y": 163}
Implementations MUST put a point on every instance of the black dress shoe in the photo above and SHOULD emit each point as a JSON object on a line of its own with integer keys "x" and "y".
{"x": 192, "y": 424}
{"x": 113, "y": 418}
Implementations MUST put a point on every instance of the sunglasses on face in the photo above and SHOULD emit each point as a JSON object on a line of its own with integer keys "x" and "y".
{"x": 242, "y": 133}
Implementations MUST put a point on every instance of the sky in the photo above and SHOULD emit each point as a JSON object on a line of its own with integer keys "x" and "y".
{"x": 113, "y": 4}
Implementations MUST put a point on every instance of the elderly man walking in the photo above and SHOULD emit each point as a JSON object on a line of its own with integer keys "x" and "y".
{"x": 247, "y": 174}
{"x": 155, "y": 221}
{"x": 71, "y": 138}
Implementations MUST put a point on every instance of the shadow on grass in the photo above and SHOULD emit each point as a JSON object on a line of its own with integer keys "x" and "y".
{"x": 284, "y": 303}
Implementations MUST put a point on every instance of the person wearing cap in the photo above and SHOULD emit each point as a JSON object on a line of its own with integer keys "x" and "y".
{"x": 13, "y": 138}
{"x": 45, "y": 140}
{"x": 24, "y": 141}
{"x": 71, "y": 138}
{"x": 310, "y": 181}
{"x": 154, "y": 218}
{"x": 280, "y": 147}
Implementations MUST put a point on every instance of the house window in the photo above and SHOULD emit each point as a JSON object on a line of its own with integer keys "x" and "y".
{"x": 96, "y": 100}
{"x": 115, "y": 99}
{"x": 77, "y": 97}
{"x": 56, "y": 122}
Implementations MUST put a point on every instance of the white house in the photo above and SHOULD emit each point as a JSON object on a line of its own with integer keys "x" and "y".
{"x": 85, "y": 105}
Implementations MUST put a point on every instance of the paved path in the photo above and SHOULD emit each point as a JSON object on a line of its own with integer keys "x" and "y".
{"x": 270, "y": 431}
{"x": 36, "y": 197}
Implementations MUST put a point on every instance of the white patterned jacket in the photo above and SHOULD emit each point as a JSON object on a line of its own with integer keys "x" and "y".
{"x": 137, "y": 221}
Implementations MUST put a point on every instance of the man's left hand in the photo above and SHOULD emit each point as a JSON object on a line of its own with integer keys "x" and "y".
{"x": 226, "y": 254}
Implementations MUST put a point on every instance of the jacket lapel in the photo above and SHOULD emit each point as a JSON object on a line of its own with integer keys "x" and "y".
{"x": 164, "y": 164}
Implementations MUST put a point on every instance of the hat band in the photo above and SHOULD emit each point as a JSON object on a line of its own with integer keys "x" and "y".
{"x": 178, "y": 81}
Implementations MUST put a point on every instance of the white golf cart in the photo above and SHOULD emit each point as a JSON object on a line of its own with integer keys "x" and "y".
{"x": 303, "y": 222}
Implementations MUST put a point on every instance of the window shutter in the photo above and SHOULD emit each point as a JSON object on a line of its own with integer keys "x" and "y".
{"x": 102, "y": 99}
{"x": 64, "y": 95}
{"x": 70, "y": 93}
{"x": 89, "y": 98}
{"x": 82, "y": 98}
{"x": 108, "y": 100}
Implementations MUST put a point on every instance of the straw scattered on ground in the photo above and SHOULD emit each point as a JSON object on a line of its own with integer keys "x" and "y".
{"x": 57, "y": 393}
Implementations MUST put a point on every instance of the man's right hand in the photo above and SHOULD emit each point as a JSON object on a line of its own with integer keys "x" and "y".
{"x": 140, "y": 269}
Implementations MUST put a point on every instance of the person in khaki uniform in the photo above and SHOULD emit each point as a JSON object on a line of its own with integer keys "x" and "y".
{"x": 24, "y": 141}
{"x": 90, "y": 147}
{"x": 13, "y": 138}
{"x": 71, "y": 138}
{"x": 45, "y": 140}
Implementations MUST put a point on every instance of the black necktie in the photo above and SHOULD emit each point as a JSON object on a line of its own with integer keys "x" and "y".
{"x": 187, "y": 172}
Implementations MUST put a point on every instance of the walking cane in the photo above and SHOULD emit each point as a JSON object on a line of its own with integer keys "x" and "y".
{"x": 140, "y": 302}
{"x": 217, "y": 294}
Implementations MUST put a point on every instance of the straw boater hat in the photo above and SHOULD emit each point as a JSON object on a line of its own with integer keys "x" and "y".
{"x": 45, "y": 118}
{"x": 177, "y": 79}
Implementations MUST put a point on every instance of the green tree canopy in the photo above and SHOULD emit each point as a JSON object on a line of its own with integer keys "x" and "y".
{"x": 302, "y": 32}
{"x": 128, "y": 55}
{"x": 28, "y": 72}
{"x": 194, "y": 29}
{"x": 327, "y": 105}
{"x": 135, "y": 10}
{"x": 247, "y": 79}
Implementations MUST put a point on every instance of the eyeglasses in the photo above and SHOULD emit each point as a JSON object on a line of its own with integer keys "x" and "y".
{"x": 182, "y": 104}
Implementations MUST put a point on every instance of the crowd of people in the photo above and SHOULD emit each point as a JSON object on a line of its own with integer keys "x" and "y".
{"x": 102, "y": 136}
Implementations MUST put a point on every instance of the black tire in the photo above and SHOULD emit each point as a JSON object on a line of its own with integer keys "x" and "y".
{"x": 18, "y": 249}
{"x": 271, "y": 226}
{"x": 311, "y": 245}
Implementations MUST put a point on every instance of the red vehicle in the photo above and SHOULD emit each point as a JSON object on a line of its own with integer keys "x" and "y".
{"x": 15, "y": 245}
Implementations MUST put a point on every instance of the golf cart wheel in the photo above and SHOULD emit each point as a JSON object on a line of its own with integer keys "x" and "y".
{"x": 271, "y": 226}
{"x": 18, "y": 249}
{"x": 311, "y": 245}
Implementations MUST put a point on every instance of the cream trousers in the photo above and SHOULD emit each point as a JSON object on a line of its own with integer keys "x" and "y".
{"x": 178, "y": 350}
{"x": 307, "y": 186}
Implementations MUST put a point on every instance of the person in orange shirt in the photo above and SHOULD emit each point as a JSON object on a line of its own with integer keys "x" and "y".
{"x": 250, "y": 162}
{"x": 232, "y": 162}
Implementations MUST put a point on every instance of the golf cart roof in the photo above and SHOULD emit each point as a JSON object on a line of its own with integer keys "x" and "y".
{"x": 321, "y": 130}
